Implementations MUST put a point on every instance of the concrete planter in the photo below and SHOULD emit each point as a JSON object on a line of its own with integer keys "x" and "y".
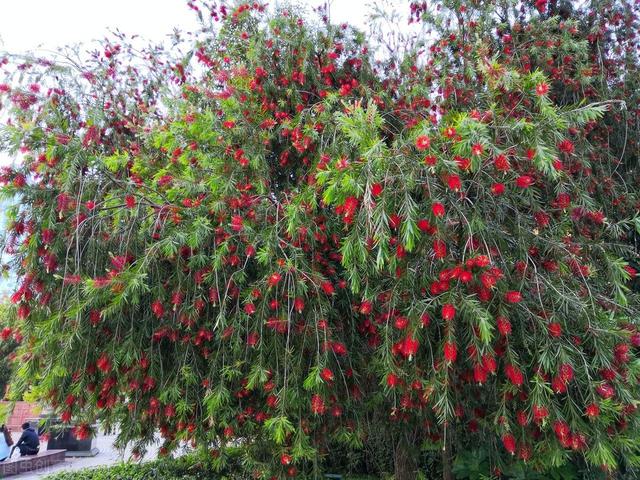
{"x": 62, "y": 438}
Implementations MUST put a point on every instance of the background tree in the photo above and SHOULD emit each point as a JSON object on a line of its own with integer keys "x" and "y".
{"x": 280, "y": 239}
{"x": 8, "y": 345}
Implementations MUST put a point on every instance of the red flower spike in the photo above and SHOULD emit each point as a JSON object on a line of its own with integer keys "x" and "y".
{"x": 509, "y": 442}
{"x": 423, "y": 142}
{"x": 592, "y": 410}
{"x": 393, "y": 380}
{"x": 437, "y": 209}
{"x": 542, "y": 89}
{"x": 524, "y": 181}
{"x": 513, "y": 296}
{"x": 450, "y": 351}
{"x": 448, "y": 312}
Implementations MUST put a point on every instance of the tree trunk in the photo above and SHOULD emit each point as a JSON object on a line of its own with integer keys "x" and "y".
{"x": 447, "y": 474}
{"x": 404, "y": 460}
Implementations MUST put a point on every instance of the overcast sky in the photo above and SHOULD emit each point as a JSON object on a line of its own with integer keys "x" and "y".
{"x": 27, "y": 24}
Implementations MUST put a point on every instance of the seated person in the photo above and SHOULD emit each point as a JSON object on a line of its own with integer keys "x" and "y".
{"x": 29, "y": 442}
{"x": 5, "y": 443}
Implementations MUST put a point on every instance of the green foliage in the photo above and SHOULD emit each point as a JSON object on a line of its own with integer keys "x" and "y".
{"x": 188, "y": 467}
{"x": 282, "y": 243}
{"x": 7, "y": 349}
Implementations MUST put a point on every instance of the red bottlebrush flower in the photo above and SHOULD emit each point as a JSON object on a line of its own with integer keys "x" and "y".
{"x": 177, "y": 298}
{"x": 23, "y": 311}
{"x": 65, "y": 416}
{"x": 394, "y": 221}
{"x": 5, "y": 333}
{"x": 409, "y": 346}
{"x": 558, "y": 385}
{"x": 450, "y": 351}
{"x": 253, "y": 338}
{"x": 489, "y": 363}
{"x": 631, "y": 271}
{"x": 450, "y": 132}
{"x": 425, "y": 226}
{"x": 298, "y": 304}
{"x": 228, "y": 124}
{"x": 502, "y": 163}
{"x": 157, "y": 308}
{"x": 318, "y": 406}
{"x": 542, "y": 89}
{"x": 94, "y": 317}
{"x": 566, "y": 146}
{"x": 523, "y": 419}
{"x": 448, "y": 312}
{"x": 542, "y": 219}
{"x": 525, "y": 452}
{"x": 621, "y": 352}
{"x": 439, "y": 248}
{"x": 509, "y": 442}
{"x": 565, "y": 372}
{"x": 169, "y": 411}
{"x": 514, "y": 375}
{"x": 592, "y": 410}
{"x": 561, "y": 429}
{"x": 477, "y": 149}
{"x": 342, "y": 163}
{"x": 555, "y": 329}
{"x": 466, "y": 276}
{"x": 513, "y": 296}
{"x": 274, "y": 279}
{"x": 350, "y": 205}
{"x": 365, "y": 307}
{"x": 480, "y": 374}
{"x": 497, "y": 189}
{"x": 104, "y": 364}
{"x": 562, "y": 201}
{"x": 540, "y": 412}
{"x": 19, "y": 181}
{"x": 504, "y": 326}
{"x": 423, "y": 142}
{"x": 438, "y": 209}
{"x": 430, "y": 160}
{"x": 236, "y": 223}
{"x": 392, "y": 380}
{"x": 130, "y": 201}
{"x": 524, "y": 181}
{"x": 605, "y": 390}
{"x": 249, "y": 308}
{"x": 81, "y": 432}
{"x": 327, "y": 287}
{"x": 327, "y": 375}
{"x": 401, "y": 322}
{"x": 463, "y": 163}
{"x": 376, "y": 189}
{"x": 47, "y": 236}
{"x": 454, "y": 183}
{"x": 541, "y": 5}
{"x": 285, "y": 459}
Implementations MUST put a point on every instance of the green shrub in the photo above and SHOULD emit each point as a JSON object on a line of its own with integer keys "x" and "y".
{"x": 183, "y": 468}
{"x": 190, "y": 467}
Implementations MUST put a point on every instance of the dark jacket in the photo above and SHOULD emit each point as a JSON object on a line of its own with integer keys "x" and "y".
{"x": 29, "y": 438}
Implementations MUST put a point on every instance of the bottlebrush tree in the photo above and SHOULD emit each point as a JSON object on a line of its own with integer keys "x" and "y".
{"x": 279, "y": 243}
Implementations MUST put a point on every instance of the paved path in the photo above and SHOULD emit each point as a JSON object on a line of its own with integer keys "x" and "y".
{"x": 107, "y": 456}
